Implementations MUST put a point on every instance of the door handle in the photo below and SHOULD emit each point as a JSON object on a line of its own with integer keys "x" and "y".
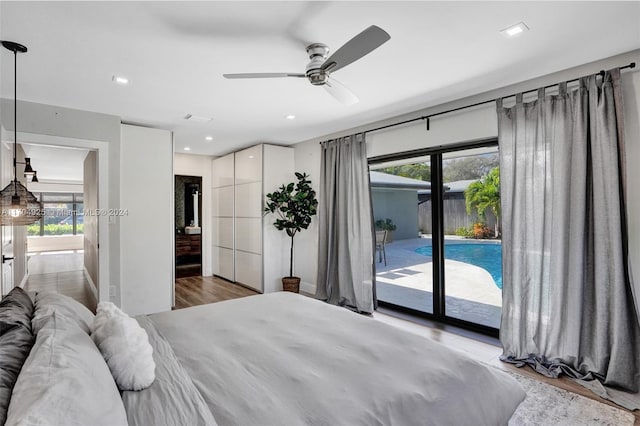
{"x": 5, "y": 258}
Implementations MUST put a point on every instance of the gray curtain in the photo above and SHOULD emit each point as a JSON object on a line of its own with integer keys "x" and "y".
{"x": 345, "y": 254}
{"x": 567, "y": 302}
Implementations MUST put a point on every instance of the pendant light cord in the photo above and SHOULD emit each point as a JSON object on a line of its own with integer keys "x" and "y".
{"x": 15, "y": 121}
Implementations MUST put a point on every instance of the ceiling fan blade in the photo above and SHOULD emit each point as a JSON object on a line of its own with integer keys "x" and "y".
{"x": 359, "y": 46}
{"x": 263, "y": 75}
{"x": 340, "y": 92}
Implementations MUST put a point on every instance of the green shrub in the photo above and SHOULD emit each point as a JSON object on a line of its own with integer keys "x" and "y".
{"x": 465, "y": 231}
{"x": 386, "y": 224}
{"x": 54, "y": 229}
{"x": 33, "y": 229}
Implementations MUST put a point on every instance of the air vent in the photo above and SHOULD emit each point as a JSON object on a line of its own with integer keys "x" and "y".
{"x": 197, "y": 118}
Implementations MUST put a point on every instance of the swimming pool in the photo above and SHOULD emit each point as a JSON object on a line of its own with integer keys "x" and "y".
{"x": 485, "y": 255}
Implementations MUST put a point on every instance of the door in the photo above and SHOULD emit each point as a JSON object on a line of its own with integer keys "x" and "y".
{"x": 7, "y": 259}
{"x": 441, "y": 209}
{"x": 90, "y": 221}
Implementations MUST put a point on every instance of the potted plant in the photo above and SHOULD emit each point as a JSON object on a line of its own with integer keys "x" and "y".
{"x": 386, "y": 225}
{"x": 294, "y": 204}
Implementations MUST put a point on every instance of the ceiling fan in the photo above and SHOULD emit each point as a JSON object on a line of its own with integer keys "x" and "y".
{"x": 320, "y": 68}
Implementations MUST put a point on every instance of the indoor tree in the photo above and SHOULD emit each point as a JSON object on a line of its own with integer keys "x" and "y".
{"x": 294, "y": 204}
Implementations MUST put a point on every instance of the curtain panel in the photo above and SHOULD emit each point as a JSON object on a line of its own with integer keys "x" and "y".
{"x": 567, "y": 300}
{"x": 346, "y": 245}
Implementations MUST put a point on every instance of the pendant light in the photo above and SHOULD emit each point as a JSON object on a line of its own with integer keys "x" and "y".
{"x": 19, "y": 206}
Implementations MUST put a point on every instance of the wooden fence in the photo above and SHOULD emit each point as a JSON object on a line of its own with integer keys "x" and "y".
{"x": 455, "y": 216}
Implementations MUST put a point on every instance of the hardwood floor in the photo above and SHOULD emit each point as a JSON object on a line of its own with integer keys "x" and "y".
{"x": 61, "y": 273}
{"x": 192, "y": 291}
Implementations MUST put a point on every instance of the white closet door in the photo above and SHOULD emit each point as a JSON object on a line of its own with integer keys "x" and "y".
{"x": 249, "y": 269}
{"x": 249, "y": 200}
{"x": 248, "y": 217}
{"x": 222, "y": 217}
{"x": 249, "y": 234}
{"x": 249, "y": 165}
{"x": 222, "y": 172}
{"x": 222, "y": 199}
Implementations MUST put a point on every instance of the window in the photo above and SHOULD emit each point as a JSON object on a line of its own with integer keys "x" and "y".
{"x": 63, "y": 215}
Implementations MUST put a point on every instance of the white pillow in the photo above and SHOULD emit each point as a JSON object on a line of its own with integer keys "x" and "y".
{"x": 125, "y": 346}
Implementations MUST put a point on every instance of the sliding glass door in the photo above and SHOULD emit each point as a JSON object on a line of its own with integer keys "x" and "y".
{"x": 440, "y": 213}
{"x": 403, "y": 269}
{"x": 472, "y": 246}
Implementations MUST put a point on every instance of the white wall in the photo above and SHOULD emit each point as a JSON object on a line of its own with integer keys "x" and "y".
{"x": 68, "y": 187}
{"x": 52, "y": 121}
{"x": 199, "y": 165}
{"x": 146, "y": 228}
{"x": 55, "y": 243}
{"x": 307, "y": 160}
{"x": 479, "y": 123}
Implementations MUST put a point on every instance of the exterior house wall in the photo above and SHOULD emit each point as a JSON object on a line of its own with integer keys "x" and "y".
{"x": 399, "y": 205}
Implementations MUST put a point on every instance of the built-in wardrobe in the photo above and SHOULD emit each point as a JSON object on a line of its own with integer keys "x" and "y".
{"x": 246, "y": 247}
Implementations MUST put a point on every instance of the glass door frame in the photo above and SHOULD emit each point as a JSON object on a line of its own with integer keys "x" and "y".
{"x": 437, "y": 241}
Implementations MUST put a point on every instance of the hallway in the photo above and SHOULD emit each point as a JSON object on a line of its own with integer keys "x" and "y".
{"x": 61, "y": 272}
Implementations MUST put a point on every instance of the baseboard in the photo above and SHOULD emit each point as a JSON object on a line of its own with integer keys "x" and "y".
{"x": 306, "y": 287}
{"x": 24, "y": 280}
{"x": 92, "y": 285}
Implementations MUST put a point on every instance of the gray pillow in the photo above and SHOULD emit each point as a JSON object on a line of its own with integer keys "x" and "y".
{"x": 16, "y": 308}
{"x": 15, "y": 344}
{"x": 65, "y": 381}
{"x": 16, "y": 340}
{"x": 48, "y": 303}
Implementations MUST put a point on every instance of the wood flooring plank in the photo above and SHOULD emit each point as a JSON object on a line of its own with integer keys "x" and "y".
{"x": 193, "y": 291}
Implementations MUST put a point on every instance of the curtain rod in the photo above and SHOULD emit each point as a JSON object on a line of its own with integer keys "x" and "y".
{"x": 427, "y": 117}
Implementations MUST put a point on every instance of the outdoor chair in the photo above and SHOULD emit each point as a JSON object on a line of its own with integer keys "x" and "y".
{"x": 381, "y": 237}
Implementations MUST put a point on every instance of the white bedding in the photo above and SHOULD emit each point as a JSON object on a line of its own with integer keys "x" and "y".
{"x": 285, "y": 359}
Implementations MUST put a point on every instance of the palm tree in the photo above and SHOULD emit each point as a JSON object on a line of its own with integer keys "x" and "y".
{"x": 484, "y": 194}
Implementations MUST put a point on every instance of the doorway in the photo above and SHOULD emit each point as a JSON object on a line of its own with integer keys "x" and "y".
{"x": 439, "y": 209}
{"x": 188, "y": 223}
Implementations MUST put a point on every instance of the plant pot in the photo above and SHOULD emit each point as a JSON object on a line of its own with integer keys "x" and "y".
{"x": 291, "y": 284}
{"x": 389, "y": 236}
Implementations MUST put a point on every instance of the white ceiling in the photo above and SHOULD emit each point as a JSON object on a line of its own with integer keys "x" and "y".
{"x": 174, "y": 54}
{"x": 56, "y": 164}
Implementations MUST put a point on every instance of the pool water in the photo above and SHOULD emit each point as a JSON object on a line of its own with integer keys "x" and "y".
{"x": 486, "y": 256}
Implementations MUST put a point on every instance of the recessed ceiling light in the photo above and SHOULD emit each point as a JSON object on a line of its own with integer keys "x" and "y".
{"x": 197, "y": 118}
{"x": 208, "y": 138}
{"x": 120, "y": 79}
{"x": 514, "y": 30}
{"x": 251, "y": 156}
{"x": 186, "y": 148}
{"x": 290, "y": 117}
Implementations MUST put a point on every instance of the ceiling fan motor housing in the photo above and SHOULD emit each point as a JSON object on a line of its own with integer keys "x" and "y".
{"x": 318, "y": 53}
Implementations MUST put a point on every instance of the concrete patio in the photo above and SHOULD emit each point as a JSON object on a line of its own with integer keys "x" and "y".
{"x": 406, "y": 280}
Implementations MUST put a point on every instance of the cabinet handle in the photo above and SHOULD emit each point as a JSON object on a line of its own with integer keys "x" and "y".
{"x": 5, "y": 258}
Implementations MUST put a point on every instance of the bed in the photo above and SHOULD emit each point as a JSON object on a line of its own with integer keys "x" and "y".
{"x": 280, "y": 359}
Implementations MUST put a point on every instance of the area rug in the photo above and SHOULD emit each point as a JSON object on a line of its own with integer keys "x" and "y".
{"x": 549, "y": 405}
